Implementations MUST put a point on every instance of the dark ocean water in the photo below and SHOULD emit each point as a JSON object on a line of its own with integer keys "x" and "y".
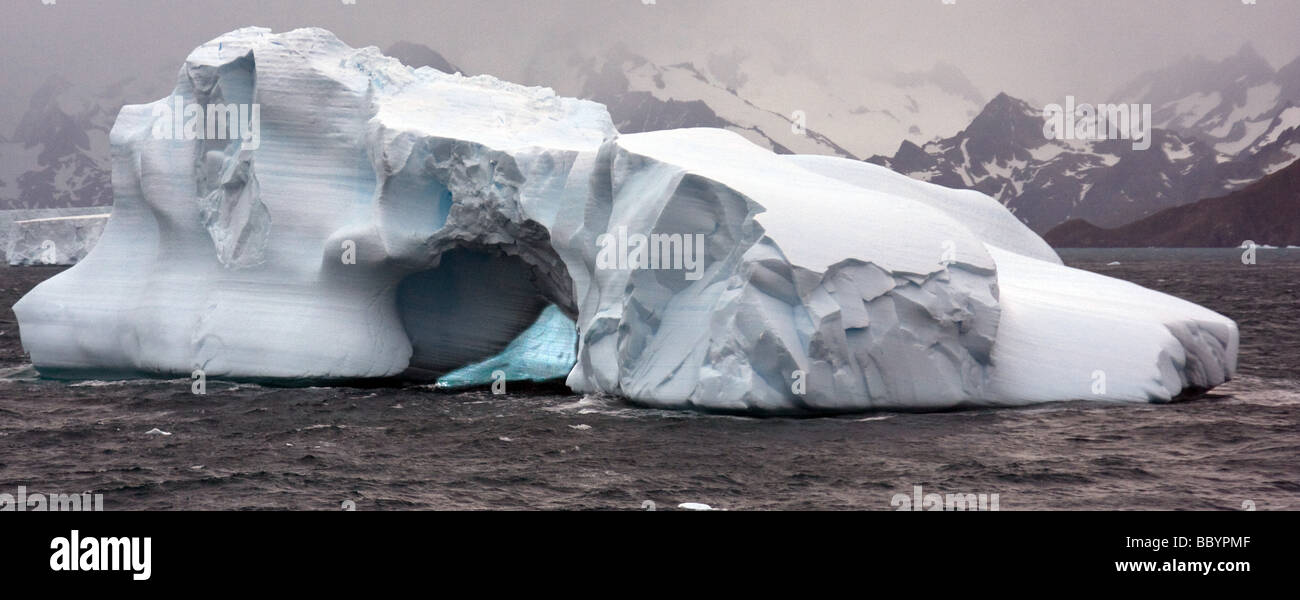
{"x": 246, "y": 446}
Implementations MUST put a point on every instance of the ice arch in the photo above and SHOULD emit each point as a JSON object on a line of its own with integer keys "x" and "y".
{"x": 467, "y": 309}
{"x": 395, "y": 221}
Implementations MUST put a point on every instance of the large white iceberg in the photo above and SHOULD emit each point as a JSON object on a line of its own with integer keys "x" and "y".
{"x": 388, "y": 221}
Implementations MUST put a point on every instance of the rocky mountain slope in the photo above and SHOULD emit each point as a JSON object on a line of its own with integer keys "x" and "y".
{"x": 1266, "y": 213}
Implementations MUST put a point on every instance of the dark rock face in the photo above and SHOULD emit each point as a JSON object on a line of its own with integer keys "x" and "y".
{"x": 419, "y": 55}
{"x": 1267, "y": 213}
{"x": 57, "y": 156}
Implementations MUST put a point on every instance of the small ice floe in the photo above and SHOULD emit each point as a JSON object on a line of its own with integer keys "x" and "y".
{"x": 694, "y": 506}
{"x": 580, "y": 427}
{"x": 20, "y": 373}
{"x": 506, "y": 439}
{"x": 156, "y": 431}
{"x": 1112, "y": 263}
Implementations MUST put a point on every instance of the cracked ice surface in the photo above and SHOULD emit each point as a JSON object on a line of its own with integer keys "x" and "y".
{"x": 861, "y": 308}
{"x": 391, "y": 221}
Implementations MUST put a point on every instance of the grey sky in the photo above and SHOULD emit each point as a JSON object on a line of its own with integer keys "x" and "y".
{"x": 1040, "y": 50}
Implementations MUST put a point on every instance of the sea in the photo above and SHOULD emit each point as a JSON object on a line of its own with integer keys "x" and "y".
{"x": 151, "y": 444}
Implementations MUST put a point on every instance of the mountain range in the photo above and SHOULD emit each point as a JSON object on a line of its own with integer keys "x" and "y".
{"x": 1005, "y": 154}
{"x": 787, "y": 107}
{"x": 1240, "y": 105}
{"x": 1216, "y": 127}
{"x": 58, "y": 153}
{"x": 1266, "y": 213}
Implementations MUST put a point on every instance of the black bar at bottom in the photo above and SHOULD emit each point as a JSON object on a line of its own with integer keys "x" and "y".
{"x": 313, "y": 550}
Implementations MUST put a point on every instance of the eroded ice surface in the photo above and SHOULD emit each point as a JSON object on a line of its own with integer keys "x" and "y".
{"x": 390, "y": 221}
{"x": 285, "y": 261}
{"x": 543, "y": 352}
{"x": 794, "y": 310}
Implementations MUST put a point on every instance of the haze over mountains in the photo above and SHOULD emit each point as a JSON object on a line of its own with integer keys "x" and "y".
{"x": 1206, "y": 141}
{"x": 1240, "y": 105}
{"x": 1218, "y": 127}
{"x": 57, "y": 155}
{"x": 778, "y": 103}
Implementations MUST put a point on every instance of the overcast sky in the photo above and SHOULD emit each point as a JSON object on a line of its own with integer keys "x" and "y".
{"x": 1035, "y": 49}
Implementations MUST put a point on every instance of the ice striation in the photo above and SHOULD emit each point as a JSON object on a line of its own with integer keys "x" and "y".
{"x": 388, "y": 221}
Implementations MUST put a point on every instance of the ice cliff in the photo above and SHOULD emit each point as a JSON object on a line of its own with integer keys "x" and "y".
{"x": 384, "y": 221}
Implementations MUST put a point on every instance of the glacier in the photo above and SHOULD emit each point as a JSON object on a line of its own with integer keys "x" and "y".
{"x": 399, "y": 222}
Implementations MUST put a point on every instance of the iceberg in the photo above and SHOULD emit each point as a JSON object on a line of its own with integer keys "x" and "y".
{"x": 1064, "y": 332}
{"x": 980, "y": 213}
{"x": 53, "y": 240}
{"x": 794, "y": 311}
{"x": 383, "y": 221}
{"x": 391, "y": 221}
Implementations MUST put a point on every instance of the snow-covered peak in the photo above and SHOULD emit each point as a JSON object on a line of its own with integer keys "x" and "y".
{"x": 1045, "y": 181}
{"x": 1233, "y": 103}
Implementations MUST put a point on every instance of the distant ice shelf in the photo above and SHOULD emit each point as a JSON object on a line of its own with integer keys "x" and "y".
{"x": 398, "y": 222}
{"x": 53, "y": 240}
{"x": 50, "y": 236}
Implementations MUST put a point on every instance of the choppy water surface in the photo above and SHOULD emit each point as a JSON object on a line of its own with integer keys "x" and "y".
{"x": 249, "y": 446}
